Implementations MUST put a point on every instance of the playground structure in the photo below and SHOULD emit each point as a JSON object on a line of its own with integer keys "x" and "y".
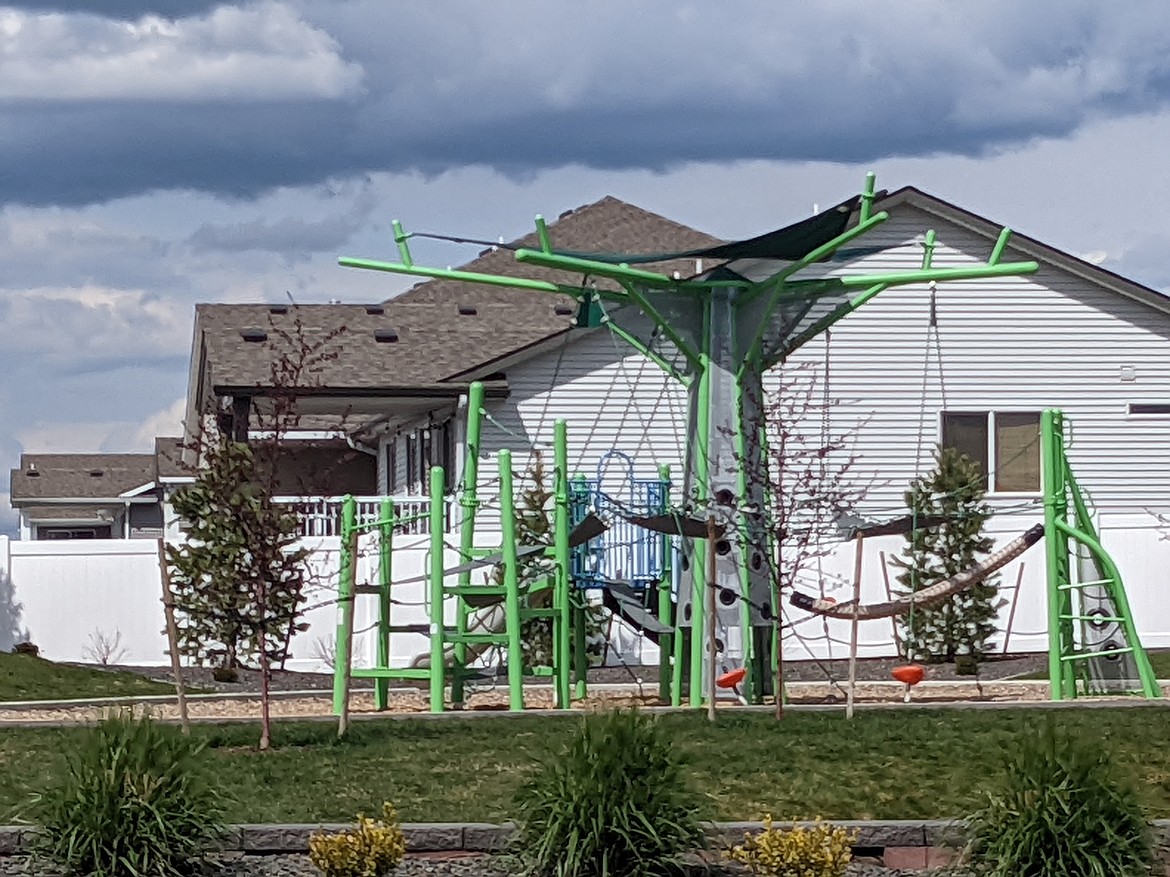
{"x": 536, "y": 581}
{"x": 714, "y": 596}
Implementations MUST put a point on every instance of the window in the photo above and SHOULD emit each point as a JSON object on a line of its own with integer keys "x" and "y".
{"x": 1149, "y": 408}
{"x": 1005, "y": 444}
{"x": 53, "y": 533}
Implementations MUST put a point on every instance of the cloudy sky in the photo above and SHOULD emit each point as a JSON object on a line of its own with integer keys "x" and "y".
{"x": 158, "y": 154}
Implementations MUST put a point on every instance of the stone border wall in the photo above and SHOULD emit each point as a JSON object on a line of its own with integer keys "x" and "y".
{"x": 476, "y": 837}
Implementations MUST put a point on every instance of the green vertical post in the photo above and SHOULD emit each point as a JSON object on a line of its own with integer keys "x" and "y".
{"x": 1060, "y": 677}
{"x": 469, "y": 505}
{"x": 665, "y": 614}
{"x": 438, "y": 526}
{"x": 562, "y": 623}
{"x": 385, "y": 555}
{"x": 511, "y": 563}
{"x": 701, "y": 468}
{"x": 345, "y": 593}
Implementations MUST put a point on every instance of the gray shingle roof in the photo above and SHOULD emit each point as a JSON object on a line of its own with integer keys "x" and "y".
{"x": 168, "y": 458}
{"x": 422, "y": 344}
{"x": 79, "y": 476}
{"x": 606, "y": 226}
{"x": 435, "y": 342}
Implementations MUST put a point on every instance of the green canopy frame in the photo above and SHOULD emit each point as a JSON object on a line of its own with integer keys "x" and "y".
{"x": 718, "y": 331}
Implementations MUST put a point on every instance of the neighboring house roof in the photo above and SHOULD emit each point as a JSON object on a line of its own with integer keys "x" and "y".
{"x": 606, "y": 226}
{"x": 439, "y": 343}
{"x": 396, "y": 348}
{"x": 1028, "y": 246}
{"x": 442, "y": 329}
{"x": 168, "y": 458}
{"x": 79, "y": 476}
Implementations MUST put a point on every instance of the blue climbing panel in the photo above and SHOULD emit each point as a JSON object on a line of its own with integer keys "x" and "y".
{"x": 625, "y": 552}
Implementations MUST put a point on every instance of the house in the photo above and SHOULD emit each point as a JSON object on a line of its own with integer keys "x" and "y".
{"x": 97, "y": 496}
{"x": 363, "y": 398}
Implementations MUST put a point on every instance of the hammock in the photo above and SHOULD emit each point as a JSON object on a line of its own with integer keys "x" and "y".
{"x": 927, "y": 597}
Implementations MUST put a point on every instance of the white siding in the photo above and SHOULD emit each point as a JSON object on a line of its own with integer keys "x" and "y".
{"x": 1049, "y": 340}
{"x": 611, "y": 398}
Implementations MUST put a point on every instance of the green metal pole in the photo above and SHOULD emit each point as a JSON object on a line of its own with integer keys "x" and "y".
{"x": 563, "y": 621}
{"x": 438, "y": 526}
{"x": 345, "y": 592}
{"x": 511, "y": 563}
{"x": 385, "y": 555}
{"x": 469, "y": 505}
{"x": 665, "y": 615}
{"x": 701, "y": 470}
{"x": 1055, "y": 548}
{"x": 897, "y": 278}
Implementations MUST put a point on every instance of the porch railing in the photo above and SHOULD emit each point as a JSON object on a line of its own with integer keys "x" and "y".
{"x": 321, "y": 515}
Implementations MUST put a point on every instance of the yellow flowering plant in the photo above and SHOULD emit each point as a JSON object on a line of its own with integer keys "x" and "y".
{"x": 372, "y": 849}
{"x": 816, "y": 850}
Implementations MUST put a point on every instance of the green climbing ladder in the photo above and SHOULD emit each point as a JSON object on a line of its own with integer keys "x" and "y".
{"x": 1093, "y": 646}
{"x": 516, "y": 596}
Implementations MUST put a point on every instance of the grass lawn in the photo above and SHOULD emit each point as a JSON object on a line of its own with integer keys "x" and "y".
{"x": 883, "y": 765}
{"x": 23, "y": 677}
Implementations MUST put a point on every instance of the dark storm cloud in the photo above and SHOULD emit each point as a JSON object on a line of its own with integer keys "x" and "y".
{"x": 525, "y": 86}
{"x": 290, "y": 235}
{"x": 124, "y": 10}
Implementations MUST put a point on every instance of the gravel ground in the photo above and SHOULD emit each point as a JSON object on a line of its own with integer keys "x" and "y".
{"x": 496, "y": 699}
{"x": 424, "y": 866}
{"x": 870, "y": 669}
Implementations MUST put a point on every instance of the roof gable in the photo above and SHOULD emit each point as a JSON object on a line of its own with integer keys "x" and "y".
{"x": 606, "y": 225}
{"x": 1030, "y": 247}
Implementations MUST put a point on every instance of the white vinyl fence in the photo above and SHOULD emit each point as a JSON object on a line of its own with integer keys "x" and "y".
{"x": 87, "y": 600}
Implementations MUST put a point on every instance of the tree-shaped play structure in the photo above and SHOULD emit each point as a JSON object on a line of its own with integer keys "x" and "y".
{"x": 748, "y": 305}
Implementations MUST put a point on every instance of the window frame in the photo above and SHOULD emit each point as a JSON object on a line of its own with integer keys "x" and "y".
{"x": 990, "y": 415}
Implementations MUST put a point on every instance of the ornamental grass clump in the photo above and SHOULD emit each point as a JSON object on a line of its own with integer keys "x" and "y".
{"x": 614, "y": 803}
{"x": 373, "y": 849}
{"x": 1065, "y": 810}
{"x": 816, "y": 850}
{"x": 132, "y": 804}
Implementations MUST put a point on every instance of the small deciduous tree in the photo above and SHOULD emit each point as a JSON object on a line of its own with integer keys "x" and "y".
{"x": 808, "y": 483}
{"x": 239, "y": 581}
{"x": 963, "y": 624}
